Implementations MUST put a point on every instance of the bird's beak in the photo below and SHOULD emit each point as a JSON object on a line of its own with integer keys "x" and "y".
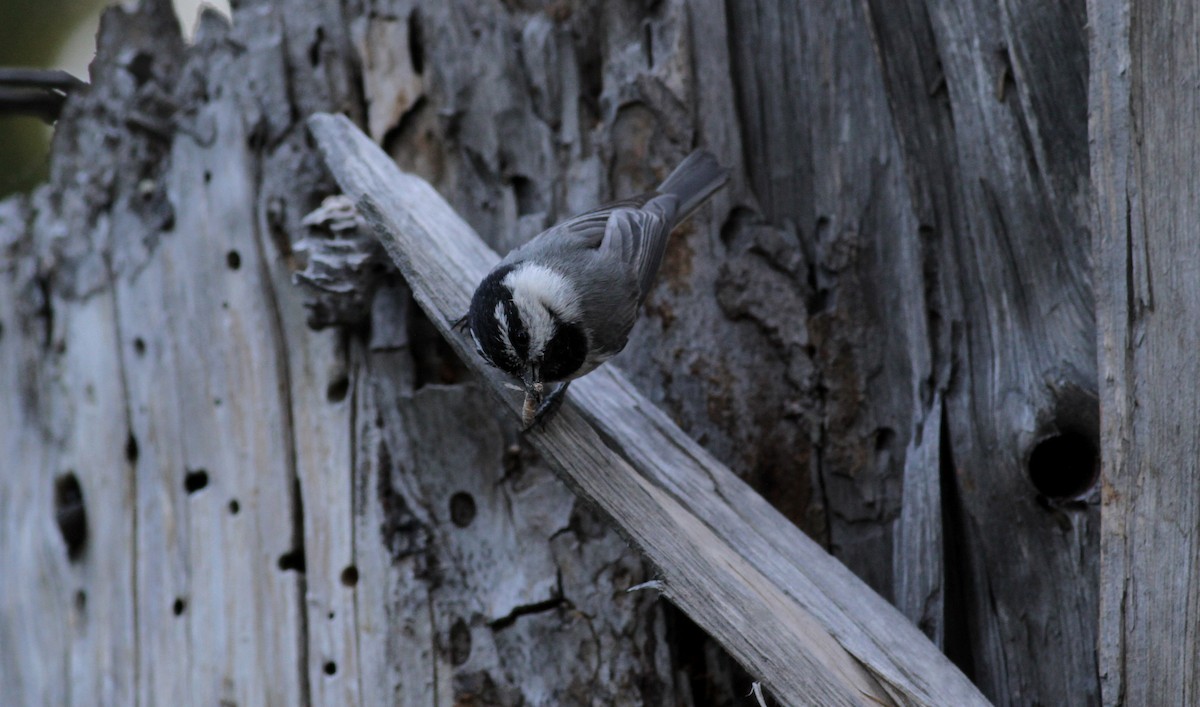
{"x": 533, "y": 394}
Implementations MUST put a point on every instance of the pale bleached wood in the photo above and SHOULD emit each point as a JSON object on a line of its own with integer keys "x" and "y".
{"x": 72, "y": 616}
{"x": 1145, "y": 130}
{"x": 203, "y": 361}
{"x": 791, "y": 613}
{"x": 221, "y": 409}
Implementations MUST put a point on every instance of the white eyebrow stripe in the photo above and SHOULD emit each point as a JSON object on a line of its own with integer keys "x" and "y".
{"x": 502, "y": 319}
{"x": 536, "y": 289}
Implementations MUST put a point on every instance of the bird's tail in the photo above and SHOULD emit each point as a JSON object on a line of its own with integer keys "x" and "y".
{"x": 693, "y": 181}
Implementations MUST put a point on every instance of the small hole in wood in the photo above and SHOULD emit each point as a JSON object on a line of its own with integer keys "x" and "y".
{"x": 131, "y": 449}
{"x": 338, "y": 387}
{"x": 139, "y": 346}
{"x": 462, "y": 509}
{"x": 416, "y": 43}
{"x": 194, "y": 480}
{"x": 884, "y": 438}
{"x": 141, "y": 67}
{"x": 207, "y": 176}
{"x": 314, "y": 48}
{"x": 71, "y": 514}
{"x": 179, "y": 606}
{"x": 292, "y": 560}
{"x": 330, "y": 668}
{"x": 233, "y": 259}
{"x": 350, "y": 576}
{"x": 460, "y": 642}
{"x": 80, "y": 601}
{"x": 234, "y": 507}
{"x": 526, "y": 194}
{"x": 1064, "y": 465}
{"x": 648, "y": 43}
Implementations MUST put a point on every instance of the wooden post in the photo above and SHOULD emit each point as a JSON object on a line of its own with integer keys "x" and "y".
{"x": 1145, "y": 130}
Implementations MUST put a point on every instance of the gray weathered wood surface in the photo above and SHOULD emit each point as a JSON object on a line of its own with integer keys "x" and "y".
{"x": 874, "y": 326}
{"x": 150, "y": 333}
{"x": 1145, "y": 129}
{"x": 740, "y": 569}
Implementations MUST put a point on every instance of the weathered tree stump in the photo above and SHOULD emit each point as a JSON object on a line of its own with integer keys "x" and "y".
{"x": 218, "y": 486}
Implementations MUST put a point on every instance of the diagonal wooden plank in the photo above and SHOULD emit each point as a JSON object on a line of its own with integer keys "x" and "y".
{"x": 776, "y": 600}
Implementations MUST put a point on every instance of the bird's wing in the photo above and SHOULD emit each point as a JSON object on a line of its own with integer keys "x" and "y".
{"x": 631, "y": 231}
{"x": 585, "y": 231}
{"x": 638, "y": 237}
{"x": 588, "y": 229}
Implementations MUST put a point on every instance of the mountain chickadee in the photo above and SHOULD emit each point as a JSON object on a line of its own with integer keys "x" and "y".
{"x": 560, "y": 305}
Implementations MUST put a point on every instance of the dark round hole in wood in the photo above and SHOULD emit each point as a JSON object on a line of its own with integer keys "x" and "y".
{"x": 292, "y": 560}
{"x": 330, "y": 668}
{"x": 338, "y": 387}
{"x": 194, "y": 480}
{"x": 462, "y": 509}
{"x": 350, "y": 576}
{"x": 179, "y": 606}
{"x": 139, "y": 346}
{"x": 1064, "y": 465}
{"x": 233, "y": 259}
{"x": 207, "y": 176}
{"x": 71, "y": 514}
{"x": 234, "y": 507}
{"x": 80, "y": 600}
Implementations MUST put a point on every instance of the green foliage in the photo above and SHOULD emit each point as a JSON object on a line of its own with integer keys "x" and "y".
{"x": 31, "y": 34}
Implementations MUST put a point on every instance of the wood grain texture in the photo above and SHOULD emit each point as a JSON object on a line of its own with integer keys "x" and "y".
{"x": 874, "y": 325}
{"x": 737, "y": 567}
{"x": 1144, "y": 132}
{"x": 259, "y": 524}
{"x": 993, "y": 140}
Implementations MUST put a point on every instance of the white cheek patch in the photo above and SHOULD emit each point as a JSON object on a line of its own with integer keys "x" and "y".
{"x": 536, "y": 289}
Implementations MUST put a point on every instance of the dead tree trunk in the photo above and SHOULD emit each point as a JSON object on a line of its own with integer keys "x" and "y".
{"x": 885, "y": 325}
